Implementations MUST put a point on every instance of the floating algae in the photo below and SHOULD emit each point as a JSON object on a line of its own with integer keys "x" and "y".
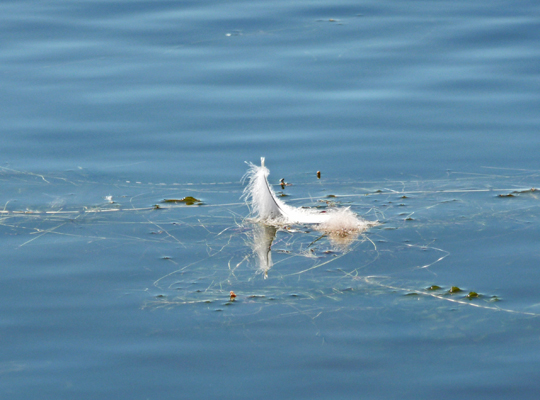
{"x": 188, "y": 201}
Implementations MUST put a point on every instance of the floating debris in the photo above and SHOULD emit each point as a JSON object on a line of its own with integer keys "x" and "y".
{"x": 233, "y": 296}
{"x": 518, "y": 192}
{"x": 283, "y": 183}
{"x": 188, "y": 201}
{"x": 454, "y": 289}
{"x": 318, "y": 174}
{"x": 267, "y": 208}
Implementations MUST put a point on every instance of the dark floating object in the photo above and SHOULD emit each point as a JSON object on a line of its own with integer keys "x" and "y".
{"x": 516, "y": 192}
{"x": 434, "y": 287}
{"x": 454, "y": 289}
{"x": 318, "y": 174}
{"x": 472, "y": 295}
{"x": 283, "y": 183}
{"x": 233, "y": 296}
{"x": 188, "y": 201}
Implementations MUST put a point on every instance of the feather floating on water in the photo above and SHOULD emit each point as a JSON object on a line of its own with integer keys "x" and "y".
{"x": 266, "y": 207}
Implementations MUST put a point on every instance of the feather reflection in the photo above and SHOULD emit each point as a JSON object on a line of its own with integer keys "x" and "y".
{"x": 260, "y": 242}
{"x": 261, "y": 237}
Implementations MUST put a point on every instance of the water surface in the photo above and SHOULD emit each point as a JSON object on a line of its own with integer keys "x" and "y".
{"x": 421, "y": 115}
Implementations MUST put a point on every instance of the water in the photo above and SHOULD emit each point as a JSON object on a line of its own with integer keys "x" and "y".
{"x": 108, "y": 108}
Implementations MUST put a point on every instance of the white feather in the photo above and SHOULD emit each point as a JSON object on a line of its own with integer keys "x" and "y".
{"x": 267, "y": 208}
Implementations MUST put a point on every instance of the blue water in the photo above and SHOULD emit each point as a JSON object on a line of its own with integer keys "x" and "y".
{"x": 151, "y": 100}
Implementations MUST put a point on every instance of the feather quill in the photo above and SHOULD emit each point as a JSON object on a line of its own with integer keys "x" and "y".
{"x": 266, "y": 207}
